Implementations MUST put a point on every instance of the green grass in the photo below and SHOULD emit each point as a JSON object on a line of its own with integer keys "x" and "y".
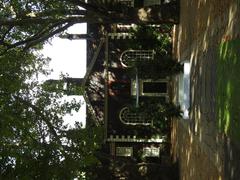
{"x": 228, "y": 89}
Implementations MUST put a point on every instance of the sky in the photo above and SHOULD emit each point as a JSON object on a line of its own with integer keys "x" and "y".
{"x": 69, "y": 56}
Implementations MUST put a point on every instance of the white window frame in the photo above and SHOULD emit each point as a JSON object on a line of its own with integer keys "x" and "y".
{"x": 151, "y": 152}
{"x": 141, "y": 83}
{"x": 129, "y": 3}
{"x": 152, "y": 2}
{"x": 128, "y": 118}
{"x": 131, "y": 55}
{"x": 124, "y": 151}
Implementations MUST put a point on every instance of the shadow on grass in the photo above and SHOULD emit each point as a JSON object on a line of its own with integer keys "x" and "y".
{"x": 228, "y": 89}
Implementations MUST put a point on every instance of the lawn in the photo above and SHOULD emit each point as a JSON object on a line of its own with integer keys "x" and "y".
{"x": 228, "y": 89}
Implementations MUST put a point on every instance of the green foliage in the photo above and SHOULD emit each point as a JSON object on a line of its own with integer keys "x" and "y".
{"x": 151, "y": 38}
{"x": 160, "y": 67}
{"x": 68, "y": 88}
{"x": 148, "y": 38}
{"x": 228, "y": 88}
{"x": 159, "y": 111}
{"x": 35, "y": 143}
{"x": 29, "y": 24}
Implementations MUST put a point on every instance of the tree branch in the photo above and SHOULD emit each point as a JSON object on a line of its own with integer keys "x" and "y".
{"x": 90, "y": 7}
{"x": 40, "y": 114}
{"x": 5, "y": 33}
{"x": 40, "y": 36}
{"x": 37, "y": 40}
{"x": 61, "y": 12}
{"x": 35, "y": 20}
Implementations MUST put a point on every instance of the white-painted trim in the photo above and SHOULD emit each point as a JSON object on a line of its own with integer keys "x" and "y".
{"x": 128, "y": 118}
{"x": 124, "y": 151}
{"x": 121, "y": 35}
{"x": 137, "y": 54}
{"x": 141, "y": 93}
{"x": 128, "y": 138}
{"x": 152, "y": 2}
{"x": 127, "y": 2}
{"x": 151, "y": 151}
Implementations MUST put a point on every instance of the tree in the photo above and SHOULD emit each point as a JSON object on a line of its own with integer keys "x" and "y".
{"x": 160, "y": 39}
{"x": 160, "y": 67}
{"x": 76, "y": 36}
{"x": 29, "y": 23}
{"x": 162, "y": 64}
{"x": 35, "y": 143}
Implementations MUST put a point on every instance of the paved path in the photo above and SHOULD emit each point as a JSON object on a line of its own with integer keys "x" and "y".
{"x": 204, "y": 24}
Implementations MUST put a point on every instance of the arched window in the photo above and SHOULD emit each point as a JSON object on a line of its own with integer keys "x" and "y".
{"x": 133, "y": 118}
{"x": 129, "y": 56}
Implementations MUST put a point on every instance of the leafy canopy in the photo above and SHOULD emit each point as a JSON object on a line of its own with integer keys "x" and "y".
{"x": 28, "y": 23}
{"x": 35, "y": 143}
